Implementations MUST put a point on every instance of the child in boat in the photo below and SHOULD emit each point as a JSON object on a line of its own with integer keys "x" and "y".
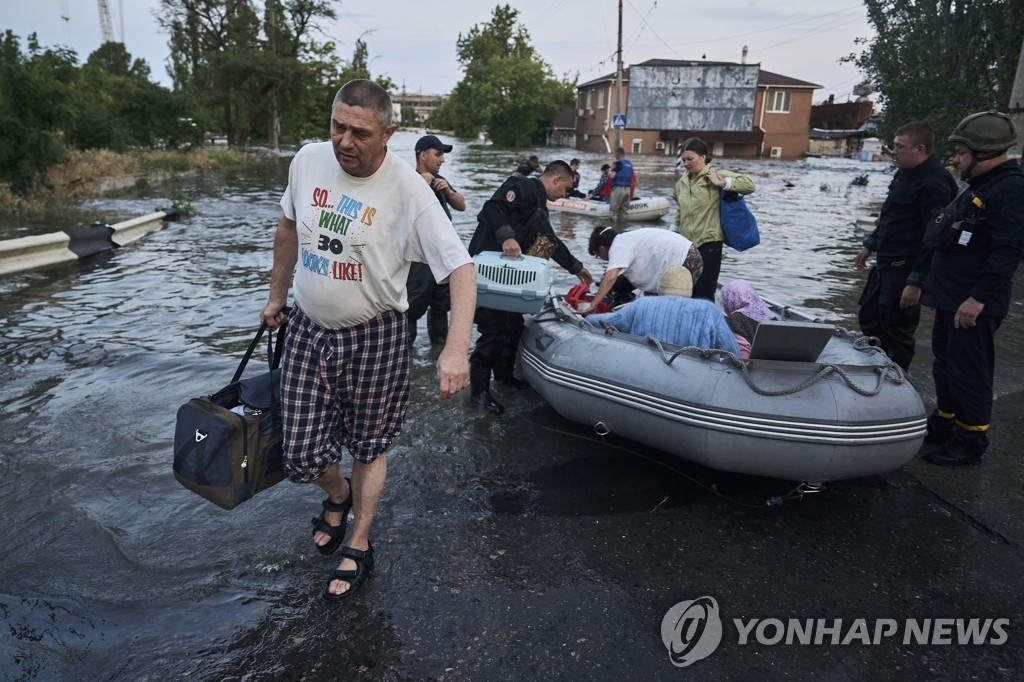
{"x": 672, "y": 316}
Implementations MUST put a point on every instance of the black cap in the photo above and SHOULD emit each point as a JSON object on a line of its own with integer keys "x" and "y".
{"x": 574, "y": 161}
{"x": 605, "y": 166}
{"x": 534, "y": 158}
{"x": 432, "y": 142}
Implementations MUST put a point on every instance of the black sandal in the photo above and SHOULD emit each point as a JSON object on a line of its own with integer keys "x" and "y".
{"x": 356, "y": 578}
{"x": 337, "y": 533}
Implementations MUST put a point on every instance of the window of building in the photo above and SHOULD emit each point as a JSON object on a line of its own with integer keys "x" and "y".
{"x": 600, "y": 99}
{"x": 590, "y": 96}
{"x": 778, "y": 102}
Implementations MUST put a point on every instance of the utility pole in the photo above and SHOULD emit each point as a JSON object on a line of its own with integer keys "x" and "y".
{"x": 270, "y": 15}
{"x": 1017, "y": 102}
{"x": 618, "y": 81}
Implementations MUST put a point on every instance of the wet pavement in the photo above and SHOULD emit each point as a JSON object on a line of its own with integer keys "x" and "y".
{"x": 537, "y": 551}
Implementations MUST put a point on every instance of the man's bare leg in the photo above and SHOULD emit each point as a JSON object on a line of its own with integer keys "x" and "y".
{"x": 367, "y": 487}
{"x": 337, "y": 488}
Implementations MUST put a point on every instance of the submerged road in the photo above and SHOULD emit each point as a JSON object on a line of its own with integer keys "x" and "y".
{"x": 528, "y": 549}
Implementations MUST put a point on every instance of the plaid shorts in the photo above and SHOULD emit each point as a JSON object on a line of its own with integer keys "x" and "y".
{"x": 341, "y": 388}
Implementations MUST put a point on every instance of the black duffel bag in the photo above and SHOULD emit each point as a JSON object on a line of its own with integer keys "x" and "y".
{"x": 227, "y": 445}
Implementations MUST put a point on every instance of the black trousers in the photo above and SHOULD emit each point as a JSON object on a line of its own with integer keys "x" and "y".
{"x": 424, "y": 292}
{"x": 496, "y": 347}
{"x": 880, "y": 313}
{"x": 964, "y": 370}
{"x": 706, "y": 285}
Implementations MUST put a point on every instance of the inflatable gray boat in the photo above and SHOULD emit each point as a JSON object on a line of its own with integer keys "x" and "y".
{"x": 850, "y": 412}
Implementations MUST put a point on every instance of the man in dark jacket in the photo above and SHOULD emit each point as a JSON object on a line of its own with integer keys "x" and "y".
{"x": 978, "y": 244}
{"x": 890, "y": 304}
{"x": 515, "y": 221}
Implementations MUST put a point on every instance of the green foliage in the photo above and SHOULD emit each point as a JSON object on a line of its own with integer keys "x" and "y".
{"x": 232, "y": 62}
{"x": 409, "y": 118}
{"x": 506, "y": 87}
{"x": 939, "y": 60}
{"x": 49, "y": 104}
{"x": 308, "y": 114}
{"x": 34, "y": 109}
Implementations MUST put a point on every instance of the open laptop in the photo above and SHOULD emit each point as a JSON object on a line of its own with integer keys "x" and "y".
{"x": 793, "y": 341}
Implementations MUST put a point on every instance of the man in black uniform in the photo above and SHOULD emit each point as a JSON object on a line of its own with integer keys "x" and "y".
{"x": 515, "y": 221}
{"x": 423, "y": 291}
{"x": 978, "y": 244}
{"x": 890, "y": 304}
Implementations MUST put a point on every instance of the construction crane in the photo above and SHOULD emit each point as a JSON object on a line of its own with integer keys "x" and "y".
{"x": 105, "y": 23}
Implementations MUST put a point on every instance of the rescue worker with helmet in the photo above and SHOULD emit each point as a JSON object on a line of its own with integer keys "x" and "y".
{"x": 978, "y": 242}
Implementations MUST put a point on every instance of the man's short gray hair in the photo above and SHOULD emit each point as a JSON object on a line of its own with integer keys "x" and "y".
{"x": 367, "y": 94}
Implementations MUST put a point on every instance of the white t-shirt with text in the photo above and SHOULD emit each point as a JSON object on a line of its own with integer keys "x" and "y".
{"x": 357, "y": 236}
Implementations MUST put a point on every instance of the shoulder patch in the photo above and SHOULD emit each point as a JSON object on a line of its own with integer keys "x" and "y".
{"x": 510, "y": 196}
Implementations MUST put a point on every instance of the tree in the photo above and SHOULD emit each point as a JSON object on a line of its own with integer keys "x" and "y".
{"x": 308, "y": 116}
{"x": 409, "y": 119}
{"x": 35, "y": 109}
{"x": 939, "y": 60}
{"x": 506, "y": 87}
{"x": 120, "y": 108}
{"x": 238, "y": 60}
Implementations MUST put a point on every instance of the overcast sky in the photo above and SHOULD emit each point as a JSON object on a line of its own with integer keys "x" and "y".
{"x": 413, "y": 41}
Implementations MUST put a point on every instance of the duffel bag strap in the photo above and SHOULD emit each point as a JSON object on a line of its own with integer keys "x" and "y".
{"x": 274, "y": 350}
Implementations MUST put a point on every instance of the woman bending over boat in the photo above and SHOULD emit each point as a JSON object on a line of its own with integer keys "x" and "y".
{"x": 636, "y": 259}
{"x": 672, "y": 316}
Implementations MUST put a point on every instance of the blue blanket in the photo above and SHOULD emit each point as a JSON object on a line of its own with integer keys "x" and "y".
{"x": 673, "y": 319}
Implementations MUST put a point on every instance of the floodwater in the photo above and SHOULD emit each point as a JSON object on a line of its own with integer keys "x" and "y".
{"x": 111, "y": 570}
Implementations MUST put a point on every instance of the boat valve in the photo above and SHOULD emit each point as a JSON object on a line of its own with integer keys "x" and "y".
{"x": 601, "y": 429}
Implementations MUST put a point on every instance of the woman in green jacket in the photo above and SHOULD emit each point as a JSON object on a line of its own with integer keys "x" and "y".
{"x": 696, "y": 193}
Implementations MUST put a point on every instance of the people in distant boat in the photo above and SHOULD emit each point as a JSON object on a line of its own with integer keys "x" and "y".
{"x": 515, "y": 221}
{"x": 603, "y": 190}
{"x": 744, "y": 310}
{"x": 574, "y": 191}
{"x": 970, "y": 284}
{"x": 636, "y": 259}
{"x": 696, "y": 193}
{"x": 423, "y": 291}
{"x": 890, "y": 303}
{"x": 672, "y": 316}
{"x": 531, "y": 167}
{"x": 621, "y": 174}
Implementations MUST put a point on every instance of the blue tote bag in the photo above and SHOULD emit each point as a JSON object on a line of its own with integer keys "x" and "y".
{"x": 738, "y": 224}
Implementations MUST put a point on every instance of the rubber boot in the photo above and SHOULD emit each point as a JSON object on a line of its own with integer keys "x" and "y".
{"x": 965, "y": 447}
{"x": 940, "y": 428}
{"x": 479, "y": 386}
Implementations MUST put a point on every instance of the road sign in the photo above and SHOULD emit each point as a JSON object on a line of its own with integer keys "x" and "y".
{"x": 618, "y": 120}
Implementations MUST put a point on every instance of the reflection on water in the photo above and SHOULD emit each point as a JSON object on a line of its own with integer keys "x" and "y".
{"x": 113, "y": 570}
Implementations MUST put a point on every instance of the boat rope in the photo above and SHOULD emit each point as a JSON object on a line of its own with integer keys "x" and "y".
{"x": 889, "y": 371}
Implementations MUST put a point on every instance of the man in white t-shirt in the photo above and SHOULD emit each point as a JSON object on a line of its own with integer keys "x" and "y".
{"x": 355, "y": 217}
{"x": 637, "y": 258}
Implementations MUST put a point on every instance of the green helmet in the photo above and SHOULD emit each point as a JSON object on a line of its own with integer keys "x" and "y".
{"x": 988, "y": 132}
